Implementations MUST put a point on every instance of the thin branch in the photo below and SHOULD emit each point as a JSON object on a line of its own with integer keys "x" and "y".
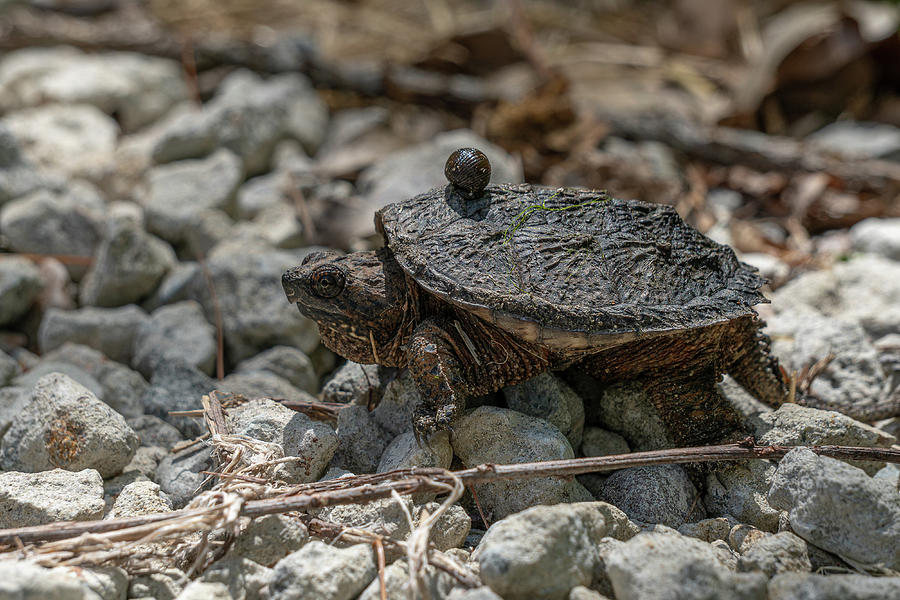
{"x": 365, "y": 488}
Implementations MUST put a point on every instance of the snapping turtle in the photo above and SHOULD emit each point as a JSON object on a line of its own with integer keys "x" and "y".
{"x": 475, "y": 294}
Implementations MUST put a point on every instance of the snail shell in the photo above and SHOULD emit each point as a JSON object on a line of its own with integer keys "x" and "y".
{"x": 469, "y": 170}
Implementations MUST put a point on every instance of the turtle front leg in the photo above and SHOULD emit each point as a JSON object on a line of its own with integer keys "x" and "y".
{"x": 435, "y": 366}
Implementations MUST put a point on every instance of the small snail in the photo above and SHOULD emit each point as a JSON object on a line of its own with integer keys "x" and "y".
{"x": 469, "y": 170}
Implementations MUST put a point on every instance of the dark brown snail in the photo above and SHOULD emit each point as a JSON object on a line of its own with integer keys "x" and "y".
{"x": 469, "y": 170}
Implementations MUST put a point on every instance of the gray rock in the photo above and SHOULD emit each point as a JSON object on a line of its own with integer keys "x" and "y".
{"x": 278, "y": 225}
{"x": 103, "y": 583}
{"x": 545, "y": 551}
{"x": 777, "y": 553}
{"x": 654, "y": 494}
{"x": 263, "y": 384}
{"x": 144, "y": 463}
{"x": 740, "y": 490}
{"x": 396, "y": 582}
{"x": 177, "y": 332}
{"x": 404, "y": 453}
{"x": 45, "y": 367}
{"x": 65, "y": 425}
{"x": 802, "y": 586}
{"x": 23, "y": 580}
{"x": 139, "y": 498}
{"x": 154, "y": 432}
{"x": 286, "y": 362}
{"x": 57, "y": 495}
{"x": 313, "y": 443}
{"x": 270, "y": 538}
{"x": 451, "y": 528}
{"x": 176, "y": 386}
{"x": 120, "y": 387}
{"x": 709, "y": 530}
{"x": 109, "y": 330}
{"x": 175, "y": 286}
{"x": 861, "y": 290}
{"x": 362, "y": 441}
{"x": 18, "y": 177}
{"x": 662, "y": 565}
{"x": 128, "y": 266}
{"x": 9, "y": 368}
{"x": 549, "y": 398}
{"x": 409, "y": 171}
{"x": 77, "y": 140}
{"x": 580, "y": 592}
{"x": 600, "y": 442}
{"x": 854, "y": 377}
{"x": 794, "y": 425}
{"x": 136, "y": 87}
{"x": 501, "y": 436}
{"x": 46, "y": 222}
{"x": 858, "y": 139}
{"x": 878, "y": 236}
{"x": 20, "y": 284}
{"x": 249, "y": 116}
{"x": 203, "y": 590}
{"x": 839, "y": 508}
{"x": 353, "y": 383}
{"x": 179, "y": 475}
{"x": 259, "y": 194}
{"x": 321, "y": 571}
{"x": 13, "y": 400}
{"x": 177, "y": 193}
{"x": 255, "y": 313}
{"x": 771, "y": 267}
{"x": 385, "y": 516}
{"x": 164, "y": 584}
{"x": 481, "y": 593}
{"x": 244, "y": 578}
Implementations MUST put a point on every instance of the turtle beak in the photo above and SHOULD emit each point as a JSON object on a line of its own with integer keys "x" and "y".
{"x": 291, "y": 281}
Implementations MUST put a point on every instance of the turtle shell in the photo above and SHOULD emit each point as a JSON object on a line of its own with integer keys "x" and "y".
{"x": 571, "y": 269}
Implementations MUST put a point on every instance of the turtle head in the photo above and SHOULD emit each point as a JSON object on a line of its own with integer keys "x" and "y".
{"x": 358, "y": 301}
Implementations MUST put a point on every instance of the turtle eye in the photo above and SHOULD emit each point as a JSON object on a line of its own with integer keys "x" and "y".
{"x": 327, "y": 281}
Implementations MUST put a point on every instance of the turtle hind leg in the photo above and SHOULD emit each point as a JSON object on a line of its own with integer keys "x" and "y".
{"x": 752, "y": 364}
{"x": 691, "y": 407}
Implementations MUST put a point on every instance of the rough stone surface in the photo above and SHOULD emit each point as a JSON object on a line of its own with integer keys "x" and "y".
{"x": 481, "y": 593}
{"x": 128, "y": 265}
{"x": 549, "y": 398}
{"x": 709, "y": 530}
{"x": 404, "y": 452}
{"x": 794, "y": 425}
{"x": 244, "y": 578}
{"x": 177, "y": 386}
{"x": 545, "y": 551}
{"x": 165, "y": 584}
{"x": 255, "y": 315}
{"x": 777, "y": 553}
{"x": 23, "y": 580}
{"x": 65, "y": 425}
{"x": 321, "y": 571}
{"x": 178, "y": 193}
{"x": 501, "y": 436}
{"x": 657, "y": 565}
{"x": 109, "y": 330}
{"x": 451, "y": 528}
{"x": 57, "y": 495}
{"x": 179, "y": 475}
{"x": 353, "y": 383}
{"x": 312, "y": 442}
{"x": 265, "y": 384}
{"x": 288, "y": 363}
{"x": 396, "y": 582}
{"x": 739, "y": 490}
{"x": 361, "y": 441}
{"x": 139, "y": 498}
{"x": 249, "y": 116}
{"x": 600, "y": 442}
{"x": 29, "y": 378}
{"x": 12, "y": 400}
{"x": 9, "y": 368}
{"x": 203, "y": 590}
{"x": 654, "y": 494}
{"x": 18, "y": 176}
{"x": 878, "y": 236}
{"x": 270, "y": 538}
{"x": 154, "y": 432}
{"x": 385, "y": 516}
{"x": 839, "y": 508}
{"x": 20, "y": 283}
{"x": 178, "y": 332}
{"x": 802, "y": 586}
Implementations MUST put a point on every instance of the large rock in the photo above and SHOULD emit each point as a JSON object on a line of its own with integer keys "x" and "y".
{"x": 501, "y": 436}
{"x": 802, "y": 586}
{"x": 545, "y": 551}
{"x": 24, "y": 580}
{"x": 255, "y": 313}
{"x": 179, "y": 475}
{"x": 20, "y": 284}
{"x": 312, "y": 443}
{"x": 288, "y": 363}
{"x": 50, "y": 496}
{"x": 77, "y": 140}
{"x": 839, "y": 508}
{"x": 270, "y": 538}
{"x": 665, "y": 565}
{"x": 177, "y": 332}
{"x": 321, "y": 571}
{"x": 177, "y": 194}
{"x": 405, "y": 452}
{"x": 177, "y": 386}
{"x": 739, "y": 490}
{"x": 18, "y": 176}
{"x": 549, "y": 398}
{"x": 396, "y": 582}
{"x": 777, "y": 553}
{"x": 249, "y": 116}
{"x": 135, "y": 87}
{"x": 109, "y": 330}
{"x": 878, "y": 236}
{"x": 362, "y": 441}
{"x": 654, "y": 494}
{"x": 139, "y": 498}
{"x": 245, "y": 579}
{"x": 127, "y": 267}
{"x": 65, "y": 425}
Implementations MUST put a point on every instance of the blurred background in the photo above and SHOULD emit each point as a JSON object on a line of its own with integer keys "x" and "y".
{"x": 773, "y": 126}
